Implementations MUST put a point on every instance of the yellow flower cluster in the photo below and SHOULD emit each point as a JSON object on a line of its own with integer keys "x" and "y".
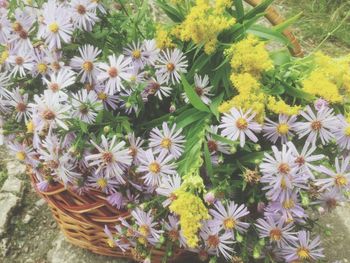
{"x": 204, "y": 23}
{"x": 163, "y": 38}
{"x": 280, "y": 107}
{"x": 250, "y": 56}
{"x": 329, "y": 79}
{"x": 191, "y": 210}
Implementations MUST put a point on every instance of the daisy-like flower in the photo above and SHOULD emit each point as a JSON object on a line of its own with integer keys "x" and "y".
{"x": 84, "y": 14}
{"x": 40, "y": 63}
{"x": 216, "y": 146}
{"x": 216, "y": 242}
{"x": 169, "y": 184}
{"x": 65, "y": 170}
{"x": 168, "y": 141}
{"x": 340, "y": 178}
{"x": 229, "y": 218}
{"x": 281, "y": 129}
{"x": 20, "y": 104}
{"x": 112, "y": 158}
{"x": 101, "y": 182}
{"x": 56, "y": 26}
{"x": 60, "y": 81}
{"x": 21, "y": 29}
{"x": 49, "y": 111}
{"x": 171, "y": 63}
{"x": 236, "y": 125}
{"x": 202, "y": 88}
{"x": 304, "y": 248}
{"x": 23, "y": 153}
{"x": 86, "y": 106}
{"x": 342, "y": 132}
{"x": 109, "y": 101}
{"x": 330, "y": 199}
{"x": 151, "y": 51}
{"x": 305, "y": 158}
{"x": 136, "y": 52}
{"x": 86, "y": 63}
{"x": 135, "y": 146}
{"x": 146, "y": 226}
{"x": 317, "y": 125}
{"x": 277, "y": 231}
{"x": 172, "y": 227}
{"x": 157, "y": 86}
{"x": 5, "y": 28}
{"x": 20, "y": 61}
{"x": 116, "y": 199}
{"x": 114, "y": 73}
{"x": 155, "y": 168}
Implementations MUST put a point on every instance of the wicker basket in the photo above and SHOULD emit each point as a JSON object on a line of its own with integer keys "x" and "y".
{"x": 82, "y": 218}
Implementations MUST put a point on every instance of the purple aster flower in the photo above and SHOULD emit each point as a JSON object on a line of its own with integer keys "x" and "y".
{"x": 303, "y": 249}
{"x": 172, "y": 227}
{"x": 102, "y": 182}
{"x": 277, "y": 231}
{"x": 116, "y": 199}
{"x": 342, "y": 132}
{"x": 320, "y": 104}
{"x": 330, "y": 199}
{"x": 280, "y": 130}
{"x": 169, "y": 184}
{"x": 229, "y": 217}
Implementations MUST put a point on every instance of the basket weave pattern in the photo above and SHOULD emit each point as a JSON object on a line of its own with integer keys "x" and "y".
{"x": 82, "y": 218}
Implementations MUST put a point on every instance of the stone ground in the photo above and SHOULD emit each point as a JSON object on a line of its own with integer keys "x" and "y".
{"x": 29, "y": 234}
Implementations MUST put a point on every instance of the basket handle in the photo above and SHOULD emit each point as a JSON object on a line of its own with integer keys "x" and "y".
{"x": 275, "y": 18}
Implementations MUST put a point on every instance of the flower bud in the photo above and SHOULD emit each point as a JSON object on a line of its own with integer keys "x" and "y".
{"x": 106, "y": 129}
{"x": 172, "y": 108}
{"x": 209, "y": 198}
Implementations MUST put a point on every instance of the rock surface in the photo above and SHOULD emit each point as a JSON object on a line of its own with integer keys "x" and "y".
{"x": 8, "y": 202}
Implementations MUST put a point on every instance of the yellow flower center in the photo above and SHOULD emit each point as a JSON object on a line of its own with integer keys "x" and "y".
{"x": 303, "y": 253}
{"x": 166, "y": 143}
{"x": 110, "y": 243}
{"x": 288, "y": 204}
{"x": 340, "y": 180}
{"x": 154, "y": 168}
{"x": 170, "y": 67}
{"x": 30, "y": 127}
{"x": 42, "y": 68}
{"x": 347, "y": 131}
{"x": 21, "y": 156}
{"x": 276, "y": 234}
{"x": 4, "y": 56}
{"x": 102, "y": 96}
{"x": 229, "y": 223}
{"x": 53, "y": 27}
{"x": 136, "y": 54}
{"x": 283, "y": 183}
{"x": 283, "y": 128}
{"x": 142, "y": 240}
{"x": 241, "y": 123}
{"x": 102, "y": 183}
{"x": 144, "y": 230}
{"x": 88, "y": 66}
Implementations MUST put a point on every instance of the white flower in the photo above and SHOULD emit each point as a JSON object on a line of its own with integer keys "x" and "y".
{"x": 113, "y": 73}
{"x": 342, "y": 132}
{"x": 56, "y": 25}
{"x": 215, "y": 146}
{"x": 21, "y": 29}
{"x": 60, "y": 81}
{"x": 135, "y": 146}
{"x": 49, "y": 111}
{"x": 317, "y": 125}
{"x": 155, "y": 167}
{"x": 151, "y": 51}
{"x": 21, "y": 61}
{"x": 236, "y": 125}
{"x": 340, "y": 178}
{"x": 157, "y": 86}
{"x": 280, "y": 130}
{"x": 167, "y": 141}
{"x": 40, "y": 63}
{"x": 20, "y": 104}
{"x": 169, "y": 184}
{"x": 136, "y": 52}
{"x": 85, "y": 64}
{"x": 112, "y": 158}
{"x": 5, "y": 28}
{"x": 171, "y": 64}
{"x": 86, "y": 106}
{"x": 84, "y": 14}
{"x": 202, "y": 88}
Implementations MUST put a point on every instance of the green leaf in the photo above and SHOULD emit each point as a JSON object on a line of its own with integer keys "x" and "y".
{"x": 285, "y": 24}
{"x": 268, "y": 34}
{"x": 280, "y": 57}
{"x": 257, "y": 10}
{"x": 198, "y": 64}
{"x": 192, "y": 96}
{"x": 83, "y": 126}
{"x": 298, "y": 93}
{"x": 189, "y": 116}
{"x": 171, "y": 12}
{"x": 239, "y": 9}
{"x": 207, "y": 160}
{"x": 215, "y": 104}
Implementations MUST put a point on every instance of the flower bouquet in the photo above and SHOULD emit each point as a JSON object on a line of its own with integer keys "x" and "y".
{"x": 167, "y": 127}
